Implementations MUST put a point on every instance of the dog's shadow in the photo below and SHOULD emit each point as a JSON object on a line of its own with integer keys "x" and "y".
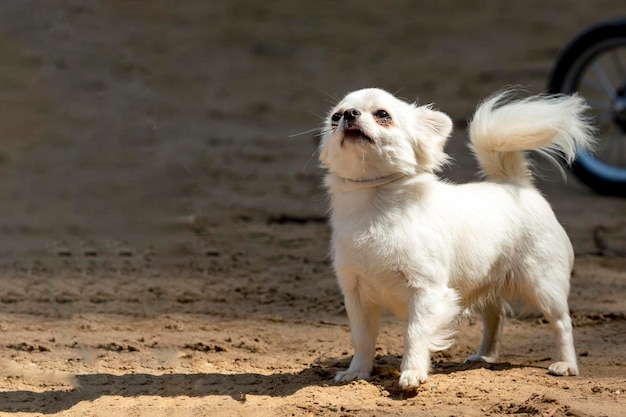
{"x": 90, "y": 387}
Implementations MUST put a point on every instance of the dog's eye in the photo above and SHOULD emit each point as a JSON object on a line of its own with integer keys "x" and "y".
{"x": 382, "y": 114}
{"x": 336, "y": 117}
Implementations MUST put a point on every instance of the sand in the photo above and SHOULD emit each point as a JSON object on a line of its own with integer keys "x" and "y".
{"x": 164, "y": 247}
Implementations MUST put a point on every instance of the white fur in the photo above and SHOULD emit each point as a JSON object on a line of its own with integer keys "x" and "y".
{"x": 426, "y": 249}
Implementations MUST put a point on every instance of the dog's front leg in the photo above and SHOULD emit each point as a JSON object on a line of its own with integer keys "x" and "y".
{"x": 431, "y": 311}
{"x": 416, "y": 358}
{"x": 364, "y": 326}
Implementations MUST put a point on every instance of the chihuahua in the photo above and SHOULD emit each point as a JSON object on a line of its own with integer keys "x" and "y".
{"x": 426, "y": 249}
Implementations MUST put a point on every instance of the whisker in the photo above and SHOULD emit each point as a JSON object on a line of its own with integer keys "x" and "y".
{"x": 306, "y": 165}
{"x": 322, "y": 118}
{"x": 317, "y": 129}
{"x": 334, "y": 99}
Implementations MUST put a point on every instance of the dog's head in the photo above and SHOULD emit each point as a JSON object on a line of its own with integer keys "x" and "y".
{"x": 372, "y": 134}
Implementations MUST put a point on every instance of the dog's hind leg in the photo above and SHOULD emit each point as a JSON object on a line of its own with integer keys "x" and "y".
{"x": 493, "y": 315}
{"x": 558, "y": 315}
{"x": 562, "y": 325}
{"x": 363, "y": 319}
{"x": 550, "y": 297}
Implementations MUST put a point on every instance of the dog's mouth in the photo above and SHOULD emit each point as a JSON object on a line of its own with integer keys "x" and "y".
{"x": 354, "y": 134}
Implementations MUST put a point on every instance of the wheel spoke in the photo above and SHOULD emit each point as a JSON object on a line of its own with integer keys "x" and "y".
{"x": 596, "y": 104}
{"x": 605, "y": 153}
{"x": 607, "y": 86}
{"x": 611, "y": 148}
{"x": 617, "y": 63}
{"x": 604, "y": 117}
{"x": 592, "y": 85}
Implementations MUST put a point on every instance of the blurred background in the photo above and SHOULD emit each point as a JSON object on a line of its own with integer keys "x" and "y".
{"x": 126, "y": 125}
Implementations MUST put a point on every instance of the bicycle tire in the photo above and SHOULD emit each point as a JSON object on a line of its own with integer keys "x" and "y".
{"x": 565, "y": 77}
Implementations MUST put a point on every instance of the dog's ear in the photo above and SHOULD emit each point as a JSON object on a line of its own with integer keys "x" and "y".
{"x": 433, "y": 127}
{"x": 436, "y": 122}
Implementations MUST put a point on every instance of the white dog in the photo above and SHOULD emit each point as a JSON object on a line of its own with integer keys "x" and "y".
{"x": 427, "y": 249}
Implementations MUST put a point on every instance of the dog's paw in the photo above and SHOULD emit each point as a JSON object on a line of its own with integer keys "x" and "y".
{"x": 346, "y": 376}
{"x": 563, "y": 369}
{"x": 480, "y": 358}
{"x": 412, "y": 379}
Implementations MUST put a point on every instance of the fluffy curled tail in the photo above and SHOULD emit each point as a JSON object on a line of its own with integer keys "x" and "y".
{"x": 503, "y": 129}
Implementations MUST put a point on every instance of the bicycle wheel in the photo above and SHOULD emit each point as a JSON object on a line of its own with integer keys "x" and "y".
{"x": 594, "y": 65}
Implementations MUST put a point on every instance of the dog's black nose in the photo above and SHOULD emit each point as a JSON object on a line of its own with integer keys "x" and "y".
{"x": 351, "y": 114}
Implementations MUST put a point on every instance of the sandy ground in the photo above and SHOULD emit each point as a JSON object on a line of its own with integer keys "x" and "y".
{"x": 163, "y": 247}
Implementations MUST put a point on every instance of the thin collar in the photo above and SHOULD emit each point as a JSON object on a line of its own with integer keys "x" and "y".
{"x": 377, "y": 182}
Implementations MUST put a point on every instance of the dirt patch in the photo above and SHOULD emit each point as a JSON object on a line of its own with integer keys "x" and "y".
{"x": 164, "y": 247}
